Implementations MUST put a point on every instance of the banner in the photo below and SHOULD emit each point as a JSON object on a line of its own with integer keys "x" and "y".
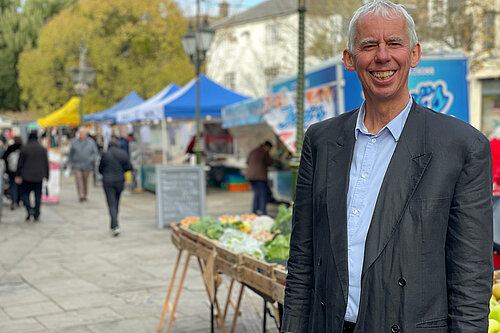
{"x": 280, "y": 112}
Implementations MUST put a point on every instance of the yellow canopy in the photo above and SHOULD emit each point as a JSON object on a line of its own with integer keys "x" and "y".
{"x": 66, "y": 115}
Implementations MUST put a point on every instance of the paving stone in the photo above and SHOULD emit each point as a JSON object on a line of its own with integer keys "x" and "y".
{"x": 62, "y": 286}
{"x": 19, "y": 293}
{"x": 87, "y": 300}
{"x": 32, "y": 309}
{"x": 137, "y": 325}
{"x": 20, "y": 326}
{"x": 78, "y": 318}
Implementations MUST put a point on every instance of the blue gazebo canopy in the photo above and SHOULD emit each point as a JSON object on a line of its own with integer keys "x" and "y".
{"x": 213, "y": 97}
{"x": 132, "y": 99}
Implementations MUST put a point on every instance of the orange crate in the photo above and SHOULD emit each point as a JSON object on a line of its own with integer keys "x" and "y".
{"x": 238, "y": 187}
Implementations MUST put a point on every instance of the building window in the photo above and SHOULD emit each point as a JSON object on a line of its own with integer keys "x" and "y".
{"x": 272, "y": 34}
{"x": 270, "y": 74}
{"x": 230, "y": 80}
{"x": 489, "y": 30}
{"x": 437, "y": 12}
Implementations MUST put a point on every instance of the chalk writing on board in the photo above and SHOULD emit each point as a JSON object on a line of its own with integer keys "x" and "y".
{"x": 180, "y": 192}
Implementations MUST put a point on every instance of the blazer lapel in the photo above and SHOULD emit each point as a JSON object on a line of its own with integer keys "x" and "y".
{"x": 408, "y": 163}
{"x": 340, "y": 152}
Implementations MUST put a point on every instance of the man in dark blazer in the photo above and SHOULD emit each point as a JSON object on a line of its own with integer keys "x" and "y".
{"x": 392, "y": 222}
{"x": 32, "y": 168}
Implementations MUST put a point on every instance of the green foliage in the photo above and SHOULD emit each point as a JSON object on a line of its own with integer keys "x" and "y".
{"x": 19, "y": 28}
{"x": 132, "y": 45}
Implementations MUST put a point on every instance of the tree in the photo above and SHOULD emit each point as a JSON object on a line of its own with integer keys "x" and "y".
{"x": 132, "y": 44}
{"x": 327, "y": 26}
{"x": 19, "y": 26}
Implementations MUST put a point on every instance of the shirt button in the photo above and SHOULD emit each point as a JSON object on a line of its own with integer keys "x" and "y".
{"x": 395, "y": 329}
{"x": 355, "y": 211}
{"x": 363, "y": 175}
{"x": 374, "y": 140}
{"x": 402, "y": 282}
{"x": 323, "y": 306}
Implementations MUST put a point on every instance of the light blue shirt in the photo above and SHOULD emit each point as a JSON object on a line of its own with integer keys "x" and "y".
{"x": 372, "y": 154}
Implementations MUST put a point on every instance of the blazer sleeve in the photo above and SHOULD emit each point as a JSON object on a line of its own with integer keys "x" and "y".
{"x": 469, "y": 243}
{"x": 300, "y": 278}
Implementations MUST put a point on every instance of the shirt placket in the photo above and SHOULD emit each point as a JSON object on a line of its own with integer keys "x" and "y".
{"x": 362, "y": 183}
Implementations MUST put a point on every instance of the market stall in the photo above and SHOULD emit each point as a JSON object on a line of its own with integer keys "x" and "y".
{"x": 167, "y": 124}
{"x": 249, "y": 250}
{"x": 66, "y": 115}
{"x": 275, "y": 116}
{"x": 109, "y": 114}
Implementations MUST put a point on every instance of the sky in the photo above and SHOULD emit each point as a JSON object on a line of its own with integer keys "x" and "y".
{"x": 211, "y": 6}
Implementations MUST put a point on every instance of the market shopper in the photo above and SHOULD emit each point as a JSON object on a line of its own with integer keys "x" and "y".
{"x": 11, "y": 158}
{"x": 114, "y": 163}
{"x": 392, "y": 221}
{"x": 81, "y": 159}
{"x": 258, "y": 161}
{"x": 32, "y": 168}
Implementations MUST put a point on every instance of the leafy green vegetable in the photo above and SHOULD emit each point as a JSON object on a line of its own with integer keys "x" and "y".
{"x": 214, "y": 231}
{"x": 283, "y": 221}
{"x": 278, "y": 248}
{"x": 209, "y": 226}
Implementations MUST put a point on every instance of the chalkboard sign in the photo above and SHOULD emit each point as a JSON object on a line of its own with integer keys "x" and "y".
{"x": 180, "y": 192}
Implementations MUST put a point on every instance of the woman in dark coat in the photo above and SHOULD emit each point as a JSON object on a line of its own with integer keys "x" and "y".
{"x": 114, "y": 163}
{"x": 11, "y": 157}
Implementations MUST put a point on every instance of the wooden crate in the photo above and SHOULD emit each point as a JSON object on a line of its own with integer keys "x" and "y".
{"x": 186, "y": 232}
{"x": 278, "y": 292}
{"x": 257, "y": 274}
{"x": 227, "y": 262}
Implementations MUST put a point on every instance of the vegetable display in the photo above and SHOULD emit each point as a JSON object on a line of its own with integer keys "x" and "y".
{"x": 260, "y": 236}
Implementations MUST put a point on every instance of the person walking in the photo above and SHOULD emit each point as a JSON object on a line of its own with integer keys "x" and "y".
{"x": 81, "y": 159}
{"x": 32, "y": 168}
{"x": 11, "y": 158}
{"x": 392, "y": 218}
{"x": 114, "y": 163}
{"x": 258, "y": 161}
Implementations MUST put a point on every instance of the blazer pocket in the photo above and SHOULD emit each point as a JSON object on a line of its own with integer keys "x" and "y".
{"x": 434, "y": 323}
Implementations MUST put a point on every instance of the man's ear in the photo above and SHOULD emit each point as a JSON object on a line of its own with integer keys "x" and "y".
{"x": 415, "y": 56}
{"x": 348, "y": 61}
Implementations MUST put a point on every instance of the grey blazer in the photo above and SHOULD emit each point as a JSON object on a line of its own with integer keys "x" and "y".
{"x": 428, "y": 256}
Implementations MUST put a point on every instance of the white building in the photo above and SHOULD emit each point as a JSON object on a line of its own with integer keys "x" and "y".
{"x": 250, "y": 49}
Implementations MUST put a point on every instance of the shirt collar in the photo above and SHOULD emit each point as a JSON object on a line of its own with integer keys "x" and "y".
{"x": 395, "y": 126}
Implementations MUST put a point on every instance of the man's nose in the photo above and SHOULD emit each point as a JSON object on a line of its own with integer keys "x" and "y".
{"x": 382, "y": 54}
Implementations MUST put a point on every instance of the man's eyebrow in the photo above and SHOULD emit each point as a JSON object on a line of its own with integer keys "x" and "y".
{"x": 367, "y": 41}
{"x": 395, "y": 39}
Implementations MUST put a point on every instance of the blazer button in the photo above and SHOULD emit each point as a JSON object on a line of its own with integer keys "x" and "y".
{"x": 323, "y": 306}
{"x": 402, "y": 282}
{"x": 395, "y": 329}
{"x": 319, "y": 261}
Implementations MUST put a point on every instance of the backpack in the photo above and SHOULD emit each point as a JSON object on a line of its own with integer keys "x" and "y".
{"x": 12, "y": 160}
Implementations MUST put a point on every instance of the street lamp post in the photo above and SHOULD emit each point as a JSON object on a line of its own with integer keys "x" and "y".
{"x": 196, "y": 44}
{"x": 82, "y": 77}
{"x": 294, "y": 164}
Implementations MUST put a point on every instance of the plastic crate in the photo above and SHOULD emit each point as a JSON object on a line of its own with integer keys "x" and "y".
{"x": 237, "y": 187}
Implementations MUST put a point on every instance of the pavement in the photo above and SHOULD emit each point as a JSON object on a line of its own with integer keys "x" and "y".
{"x": 67, "y": 274}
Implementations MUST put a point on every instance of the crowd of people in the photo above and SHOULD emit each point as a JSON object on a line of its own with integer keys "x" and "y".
{"x": 27, "y": 166}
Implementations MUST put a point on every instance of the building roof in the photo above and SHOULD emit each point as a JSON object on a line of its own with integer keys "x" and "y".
{"x": 264, "y": 10}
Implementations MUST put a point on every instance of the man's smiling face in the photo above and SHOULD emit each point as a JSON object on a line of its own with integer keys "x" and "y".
{"x": 382, "y": 57}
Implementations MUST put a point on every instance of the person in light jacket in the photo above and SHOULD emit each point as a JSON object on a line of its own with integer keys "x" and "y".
{"x": 81, "y": 159}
